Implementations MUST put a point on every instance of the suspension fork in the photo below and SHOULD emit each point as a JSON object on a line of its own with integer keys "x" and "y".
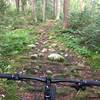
{"x": 47, "y": 95}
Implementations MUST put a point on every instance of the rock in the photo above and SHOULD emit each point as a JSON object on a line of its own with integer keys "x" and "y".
{"x": 55, "y": 57}
{"x": 22, "y": 72}
{"x": 52, "y": 50}
{"x": 40, "y": 54}
{"x": 66, "y": 55}
{"x": 44, "y": 50}
{"x": 36, "y": 71}
{"x": 54, "y": 45}
{"x": 37, "y": 43}
{"x": 62, "y": 50}
{"x": 49, "y": 72}
{"x": 32, "y": 45}
{"x": 37, "y": 67}
{"x": 45, "y": 42}
{"x": 66, "y": 69}
{"x": 34, "y": 56}
{"x": 80, "y": 65}
{"x": 50, "y": 46}
{"x": 72, "y": 69}
{"x": 66, "y": 49}
{"x": 50, "y": 37}
{"x": 61, "y": 53}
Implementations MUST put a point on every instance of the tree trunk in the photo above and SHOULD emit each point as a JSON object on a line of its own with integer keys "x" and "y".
{"x": 34, "y": 10}
{"x": 58, "y": 6}
{"x": 17, "y": 5}
{"x": 44, "y": 9}
{"x": 55, "y": 7}
{"x": 81, "y": 5}
{"x": 66, "y": 13}
{"x": 23, "y": 3}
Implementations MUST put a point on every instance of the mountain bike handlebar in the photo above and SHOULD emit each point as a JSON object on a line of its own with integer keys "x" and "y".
{"x": 43, "y": 79}
{"x": 49, "y": 93}
{"x": 20, "y": 77}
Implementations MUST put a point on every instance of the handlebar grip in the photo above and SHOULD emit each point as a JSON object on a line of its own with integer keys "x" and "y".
{"x": 8, "y": 76}
{"x": 93, "y": 83}
{"x": 20, "y": 77}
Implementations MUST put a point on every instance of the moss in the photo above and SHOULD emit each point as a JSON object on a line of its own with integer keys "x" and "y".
{"x": 95, "y": 61}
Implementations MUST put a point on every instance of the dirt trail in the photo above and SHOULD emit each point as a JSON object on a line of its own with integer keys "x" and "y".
{"x": 73, "y": 67}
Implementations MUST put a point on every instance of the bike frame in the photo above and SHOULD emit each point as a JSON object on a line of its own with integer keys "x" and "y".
{"x": 48, "y": 95}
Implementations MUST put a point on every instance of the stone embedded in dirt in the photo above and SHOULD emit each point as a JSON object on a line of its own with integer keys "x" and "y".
{"x": 50, "y": 37}
{"x": 37, "y": 67}
{"x": 38, "y": 50}
{"x": 61, "y": 53}
{"x": 36, "y": 71}
{"x": 62, "y": 50}
{"x": 66, "y": 69}
{"x": 66, "y": 55}
{"x": 50, "y": 46}
{"x": 80, "y": 65}
{"x": 37, "y": 43}
{"x": 22, "y": 72}
{"x": 44, "y": 50}
{"x": 40, "y": 54}
{"x": 45, "y": 42}
{"x": 54, "y": 45}
{"x": 32, "y": 45}
{"x": 56, "y": 57}
{"x": 73, "y": 68}
{"x": 49, "y": 72}
{"x": 66, "y": 49}
{"x": 34, "y": 56}
{"x": 52, "y": 50}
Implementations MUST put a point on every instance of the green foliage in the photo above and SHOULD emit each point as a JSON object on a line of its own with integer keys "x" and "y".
{"x": 13, "y": 20}
{"x": 15, "y": 42}
{"x": 73, "y": 42}
{"x": 88, "y": 25}
{"x": 5, "y": 67}
{"x": 11, "y": 90}
{"x": 85, "y": 26}
{"x": 95, "y": 61}
{"x": 80, "y": 19}
{"x": 91, "y": 36}
{"x": 4, "y": 24}
{"x": 3, "y": 6}
{"x": 24, "y": 2}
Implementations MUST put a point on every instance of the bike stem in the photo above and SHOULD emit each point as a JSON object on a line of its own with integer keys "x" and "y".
{"x": 47, "y": 89}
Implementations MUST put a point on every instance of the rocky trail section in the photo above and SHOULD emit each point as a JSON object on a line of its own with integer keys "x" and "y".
{"x": 50, "y": 57}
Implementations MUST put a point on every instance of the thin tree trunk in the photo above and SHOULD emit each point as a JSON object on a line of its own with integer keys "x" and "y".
{"x": 66, "y": 13}
{"x": 34, "y": 10}
{"x": 23, "y": 2}
{"x": 55, "y": 7}
{"x": 17, "y": 5}
{"x": 44, "y": 10}
{"x": 58, "y": 6}
{"x": 81, "y": 5}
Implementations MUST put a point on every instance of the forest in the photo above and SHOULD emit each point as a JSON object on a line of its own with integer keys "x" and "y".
{"x": 55, "y": 38}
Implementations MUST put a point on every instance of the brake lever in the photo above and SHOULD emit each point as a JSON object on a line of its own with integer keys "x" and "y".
{"x": 79, "y": 86}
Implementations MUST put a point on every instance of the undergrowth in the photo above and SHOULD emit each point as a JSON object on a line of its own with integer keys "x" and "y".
{"x": 73, "y": 43}
{"x": 13, "y": 44}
